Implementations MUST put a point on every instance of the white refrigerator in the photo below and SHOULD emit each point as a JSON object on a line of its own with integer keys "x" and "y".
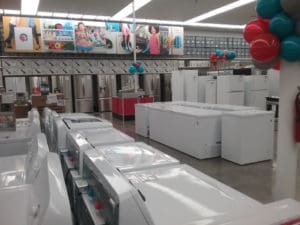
{"x": 177, "y": 86}
{"x": 190, "y": 85}
{"x": 230, "y": 90}
{"x": 256, "y": 91}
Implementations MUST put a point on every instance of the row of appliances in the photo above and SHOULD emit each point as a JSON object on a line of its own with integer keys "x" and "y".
{"x": 223, "y": 89}
{"x": 90, "y": 93}
{"x": 129, "y": 183}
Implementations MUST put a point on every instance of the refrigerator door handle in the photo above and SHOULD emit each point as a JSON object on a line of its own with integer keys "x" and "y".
{"x": 83, "y": 87}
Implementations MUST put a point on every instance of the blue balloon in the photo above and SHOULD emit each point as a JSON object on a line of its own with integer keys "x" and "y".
{"x": 282, "y": 25}
{"x": 132, "y": 69}
{"x": 267, "y": 9}
{"x": 290, "y": 48}
{"x": 231, "y": 55}
{"x": 140, "y": 69}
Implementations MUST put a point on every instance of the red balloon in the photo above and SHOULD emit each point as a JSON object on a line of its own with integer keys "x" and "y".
{"x": 255, "y": 28}
{"x": 278, "y": 65}
{"x": 265, "y": 47}
{"x": 214, "y": 57}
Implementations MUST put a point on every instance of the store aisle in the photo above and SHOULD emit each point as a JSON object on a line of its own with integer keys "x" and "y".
{"x": 254, "y": 180}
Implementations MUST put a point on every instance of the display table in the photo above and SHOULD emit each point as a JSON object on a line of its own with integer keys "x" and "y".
{"x": 124, "y": 108}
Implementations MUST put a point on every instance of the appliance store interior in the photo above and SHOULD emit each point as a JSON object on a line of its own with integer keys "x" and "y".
{"x": 149, "y": 112}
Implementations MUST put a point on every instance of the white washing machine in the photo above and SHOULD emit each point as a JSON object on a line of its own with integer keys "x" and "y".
{"x": 12, "y": 142}
{"x": 172, "y": 195}
{"x": 247, "y": 136}
{"x": 135, "y": 156}
{"x": 285, "y": 212}
{"x": 42, "y": 190}
{"x": 194, "y": 131}
{"x": 105, "y": 136}
{"x": 63, "y": 125}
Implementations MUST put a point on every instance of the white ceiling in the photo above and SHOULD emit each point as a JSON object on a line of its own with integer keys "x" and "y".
{"x": 179, "y": 10}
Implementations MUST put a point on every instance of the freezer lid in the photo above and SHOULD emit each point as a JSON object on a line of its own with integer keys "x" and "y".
{"x": 194, "y": 112}
{"x": 135, "y": 156}
{"x": 249, "y": 113}
{"x": 105, "y": 136}
{"x": 179, "y": 195}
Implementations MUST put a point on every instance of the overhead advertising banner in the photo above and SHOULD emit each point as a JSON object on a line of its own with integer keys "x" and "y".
{"x": 28, "y": 34}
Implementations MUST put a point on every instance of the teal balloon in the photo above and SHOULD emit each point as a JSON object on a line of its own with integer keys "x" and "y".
{"x": 219, "y": 53}
{"x": 290, "y": 49}
{"x": 282, "y": 25}
{"x": 267, "y": 9}
{"x": 231, "y": 55}
{"x": 132, "y": 69}
{"x": 140, "y": 69}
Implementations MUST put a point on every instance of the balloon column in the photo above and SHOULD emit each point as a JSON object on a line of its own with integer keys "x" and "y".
{"x": 275, "y": 34}
{"x": 136, "y": 68}
{"x": 220, "y": 55}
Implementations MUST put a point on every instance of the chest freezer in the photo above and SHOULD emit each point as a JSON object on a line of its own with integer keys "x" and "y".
{"x": 173, "y": 195}
{"x": 247, "y": 136}
{"x": 194, "y": 131}
{"x": 135, "y": 156}
{"x": 105, "y": 136}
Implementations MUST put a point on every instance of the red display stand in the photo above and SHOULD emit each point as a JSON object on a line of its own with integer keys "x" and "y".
{"x": 124, "y": 108}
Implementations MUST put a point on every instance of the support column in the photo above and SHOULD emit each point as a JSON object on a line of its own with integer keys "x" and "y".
{"x": 287, "y": 169}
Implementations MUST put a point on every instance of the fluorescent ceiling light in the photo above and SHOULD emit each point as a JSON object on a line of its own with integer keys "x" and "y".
{"x": 11, "y": 12}
{"x": 128, "y": 10}
{"x": 89, "y": 17}
{"x": 75, "y": 16}
{"x": 29, "y": 7}
{"x": 1, "y": 11}
{"x": 103, "y": 18}
{"x": 60, "y": 14}
{"x": 44, "y": 13}
{"x": 216, "y": 25}
{"x": 220, "y": 10}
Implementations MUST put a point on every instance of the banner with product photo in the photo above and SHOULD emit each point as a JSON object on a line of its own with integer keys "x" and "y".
{"x": 21, "y": 34}
{"x": 29, "y": 34}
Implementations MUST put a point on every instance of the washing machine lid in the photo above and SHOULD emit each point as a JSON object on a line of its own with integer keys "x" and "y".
{"x": 82, "y": 123}
{"x": 105, "y": 136}
{"x": 178, "y": 195}
{"x": 285, "y": 212}
{"x": 135, "y": 156}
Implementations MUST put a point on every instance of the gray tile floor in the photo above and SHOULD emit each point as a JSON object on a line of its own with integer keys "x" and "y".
{"x": 255, "y": 180}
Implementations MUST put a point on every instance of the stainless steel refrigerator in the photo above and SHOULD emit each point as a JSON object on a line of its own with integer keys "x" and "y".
{"x": 166, "y": 89}
{"x": 64, "y": 85}
{"x": 83, "y": 92}
{"x": 106, "y": 89}
{"x": 152, "y": 86}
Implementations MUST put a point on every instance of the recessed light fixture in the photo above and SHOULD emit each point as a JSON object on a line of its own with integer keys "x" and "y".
{"x": 29, "y": 7}
{"x": 11, "y": 12}
{"x": 128, "y": 10}
{"x": 75, "y": 16}
{"x": 45, "y": 14}
{"x": 89, "y": 17}
{"x": 220, "y": 10}
{"x": 60, "y": 15}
